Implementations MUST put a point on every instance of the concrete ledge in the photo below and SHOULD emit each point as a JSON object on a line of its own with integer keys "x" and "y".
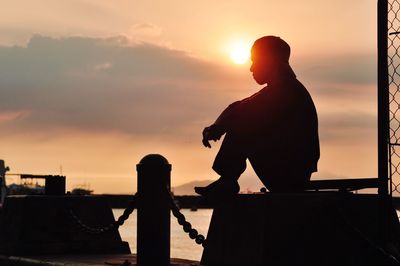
{"x": 82, "y": 260}
{"x": 35, "y": 225}
{"x": 302, "y": 229}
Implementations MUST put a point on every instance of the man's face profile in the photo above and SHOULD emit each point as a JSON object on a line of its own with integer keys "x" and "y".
{"x": 259, "y": 67}
{"x": 270, "y": 58}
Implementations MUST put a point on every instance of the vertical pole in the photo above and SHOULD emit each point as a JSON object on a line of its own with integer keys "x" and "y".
{"x": 383, "y": 97}
{"x": 383, "y": 120}
{"x": 3, "y": 187}
{"x": 153, "y": 221}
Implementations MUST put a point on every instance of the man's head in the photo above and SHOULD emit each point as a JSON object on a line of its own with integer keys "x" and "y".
{"x": 269, "y": 55}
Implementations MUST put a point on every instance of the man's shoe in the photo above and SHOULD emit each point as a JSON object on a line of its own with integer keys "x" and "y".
{"x": 219, "y": 189}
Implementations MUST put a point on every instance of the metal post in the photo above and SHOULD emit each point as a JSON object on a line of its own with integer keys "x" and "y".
{"x": 383, "y": 97}
{"x": 153, "y": 221}
{"x": 383, "y": 120}
{"x": 3, "y": 187}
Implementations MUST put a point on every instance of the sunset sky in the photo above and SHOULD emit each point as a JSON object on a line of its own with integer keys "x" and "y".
{"x": 89, "y": 87}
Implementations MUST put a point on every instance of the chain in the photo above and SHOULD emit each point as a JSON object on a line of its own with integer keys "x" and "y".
{"x": 112, "y": 226}
{"x": 187, "y": 227}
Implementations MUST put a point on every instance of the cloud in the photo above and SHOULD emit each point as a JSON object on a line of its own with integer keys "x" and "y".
{"x": 103, "y": 66}
{"x": 144, "y": 30}
{"x": 92, "y": 84}
{"x": 340, "y": 69}
{"x": 109, "y": 85}
{"x": 11, "y": 116}
{"x": 347, "y": 127}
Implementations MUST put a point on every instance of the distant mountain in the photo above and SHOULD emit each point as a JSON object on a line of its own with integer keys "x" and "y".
{"x": 188, "y": 188}
{"x": 247, "y": 184}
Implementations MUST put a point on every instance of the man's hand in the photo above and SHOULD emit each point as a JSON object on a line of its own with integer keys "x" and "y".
{"x": 206, "y": 138}
{"x": 211, "y": 133}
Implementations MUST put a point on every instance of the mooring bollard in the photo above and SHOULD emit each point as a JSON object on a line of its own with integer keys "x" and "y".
{"x": 153, "y": 210}
{"x": 54, "y": 185}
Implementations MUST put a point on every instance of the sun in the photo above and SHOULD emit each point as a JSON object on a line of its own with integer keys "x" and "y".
{"x": 239, "y": 52}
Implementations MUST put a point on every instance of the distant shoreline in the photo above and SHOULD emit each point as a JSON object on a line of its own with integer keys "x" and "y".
{"x": 184, "y": 202}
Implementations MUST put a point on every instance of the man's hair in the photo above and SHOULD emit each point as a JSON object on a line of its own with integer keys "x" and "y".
{"x": 272, "y": 48}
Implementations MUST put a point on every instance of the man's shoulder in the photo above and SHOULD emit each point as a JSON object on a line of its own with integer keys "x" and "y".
{"x": 295, "y": 86}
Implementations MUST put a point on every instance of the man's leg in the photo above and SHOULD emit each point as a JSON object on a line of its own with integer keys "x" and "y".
{"x": 229, "y": 163}
{"x": 231, "y": 157}
{"x": 279, "y": 176}
{"x": 288, "y": 182}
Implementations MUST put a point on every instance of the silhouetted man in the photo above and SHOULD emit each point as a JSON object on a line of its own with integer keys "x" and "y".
{"x": 276, "y": 129}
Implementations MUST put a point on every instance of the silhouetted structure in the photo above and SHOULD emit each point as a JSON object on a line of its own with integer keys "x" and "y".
{"x": 276, "y": 129}
{"x": 3, "y": 188}
{"x": 54, "y": 184}
{"x": 153, "y": 220}
{"x": 44, "y": 225}
{"x": 302, "y": 229}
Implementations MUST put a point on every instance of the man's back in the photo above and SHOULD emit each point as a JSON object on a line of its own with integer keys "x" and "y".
{"x": 282, "y": 138}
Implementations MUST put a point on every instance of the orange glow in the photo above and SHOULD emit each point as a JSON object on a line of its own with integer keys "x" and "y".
{"x": 239, "y": 52}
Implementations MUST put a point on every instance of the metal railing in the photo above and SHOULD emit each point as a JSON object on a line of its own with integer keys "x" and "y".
{"x": 154, "y": 203}
{"x": 390, "y": 37}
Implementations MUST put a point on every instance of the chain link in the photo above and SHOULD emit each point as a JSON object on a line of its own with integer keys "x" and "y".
{"x": 394, "y": 93}
{"x": 187, "y": 227}
{"x": 112, "y": 226}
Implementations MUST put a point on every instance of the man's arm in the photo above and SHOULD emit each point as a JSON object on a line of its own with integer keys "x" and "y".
{"x": 220, "y": 126}
{"x": 257, "y": 112}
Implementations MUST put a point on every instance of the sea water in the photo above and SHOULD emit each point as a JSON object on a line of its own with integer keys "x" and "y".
{"x": 181, "y": 245}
